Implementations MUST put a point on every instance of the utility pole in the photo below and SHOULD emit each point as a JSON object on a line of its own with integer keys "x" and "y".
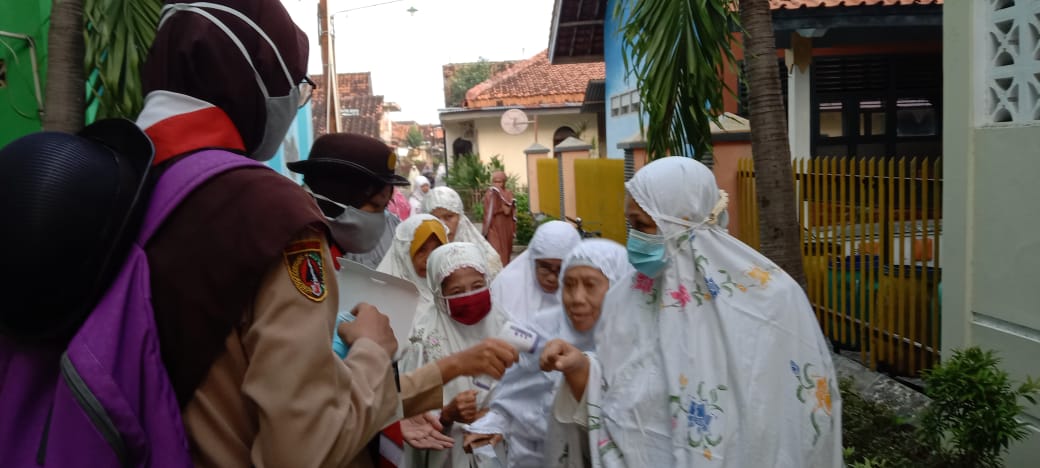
{"x": 328, "y": 64}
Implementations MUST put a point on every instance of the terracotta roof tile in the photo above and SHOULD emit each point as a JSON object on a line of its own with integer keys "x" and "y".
{"x": 535, "y": 81}
{"x": 795, "y": 4}
{"x": 349, "y": 84}
{"x": 362, "y": 114}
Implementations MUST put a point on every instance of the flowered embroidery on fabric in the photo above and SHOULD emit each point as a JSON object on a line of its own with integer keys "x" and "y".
{"x": 681, "y": 295}
{"x": 821, "y": 387}
{"x": 431, "y": 343}
{"x": 763, "y": 276}
{"x": 703, "y": 413}
{"x": 643, "y": 283}
{"x": 648, "y": 286}
{"x": 713, "y": 288}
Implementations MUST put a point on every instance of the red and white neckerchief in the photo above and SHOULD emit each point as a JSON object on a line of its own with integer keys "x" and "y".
{"x": 180, "y": 124}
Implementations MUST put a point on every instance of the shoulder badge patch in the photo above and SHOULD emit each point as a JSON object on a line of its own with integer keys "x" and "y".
{"x": 307, "y": 269}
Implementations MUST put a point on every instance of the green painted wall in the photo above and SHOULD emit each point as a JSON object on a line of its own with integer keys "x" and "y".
{"x": 19, "y": 113}
{"x": 991, "y": 220}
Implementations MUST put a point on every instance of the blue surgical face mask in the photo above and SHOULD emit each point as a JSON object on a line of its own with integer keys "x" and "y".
{"x": 646, "y": 252}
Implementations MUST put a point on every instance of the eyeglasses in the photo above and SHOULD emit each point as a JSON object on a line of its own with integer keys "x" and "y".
{"x": 307, "y": 88}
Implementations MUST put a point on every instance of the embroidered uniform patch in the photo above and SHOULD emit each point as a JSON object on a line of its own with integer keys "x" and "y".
{"x": 306, "y": 269}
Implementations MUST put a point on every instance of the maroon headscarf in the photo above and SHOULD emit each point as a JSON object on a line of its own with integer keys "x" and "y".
{"x": 192, "y": 56}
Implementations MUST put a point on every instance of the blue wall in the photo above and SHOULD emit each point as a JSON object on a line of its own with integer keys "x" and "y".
{"x": 296, "y": 146}
{"x": 621, "y": 127}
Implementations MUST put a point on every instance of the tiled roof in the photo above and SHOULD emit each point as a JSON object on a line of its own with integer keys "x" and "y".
{"x": 349, "y": 84}
{"x": 362, "y": 114}
{"x": 796, "y": 4}
{"x": 535, "y": 81}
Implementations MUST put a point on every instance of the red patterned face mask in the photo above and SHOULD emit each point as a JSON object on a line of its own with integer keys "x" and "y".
{"x": 471, "y": 307}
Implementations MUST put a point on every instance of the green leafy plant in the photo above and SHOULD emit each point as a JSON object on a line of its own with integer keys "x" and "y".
{"x": 467, "y": 75}
{"x": 972, "y": 417}
{"x": 676, "y": 51}
{"x": 118, "y": 35}
{"x": 525, "y": 223}
{"x": 414, "y": 138}
{"x": 970, "y": 422}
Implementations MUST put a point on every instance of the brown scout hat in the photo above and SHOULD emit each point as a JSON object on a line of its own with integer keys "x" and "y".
{"x": 351, "y": 152}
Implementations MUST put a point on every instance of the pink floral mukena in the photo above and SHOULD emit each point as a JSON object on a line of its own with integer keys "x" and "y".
{"x": 644, "y": 283}
{"x": 681, "y": 295}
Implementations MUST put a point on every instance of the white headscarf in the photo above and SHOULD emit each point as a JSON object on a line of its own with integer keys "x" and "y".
{"x": 436, "y": 335}
{"x": 516, "y": 289}
{"x": 525, "y": 394}
{"x": 416, "y": 198}
{"x": 717, "y": 362}
{"x": 398, "y": 261}
{"x": 445, "y": 197}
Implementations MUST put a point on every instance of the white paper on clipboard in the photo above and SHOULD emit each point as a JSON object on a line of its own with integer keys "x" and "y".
{"x": 394, "y": 297}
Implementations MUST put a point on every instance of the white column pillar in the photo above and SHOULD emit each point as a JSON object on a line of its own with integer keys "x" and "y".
{"x": 799, "y": 103}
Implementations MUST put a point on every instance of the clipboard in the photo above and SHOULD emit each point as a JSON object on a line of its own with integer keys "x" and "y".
{"x": 394, "y": 297}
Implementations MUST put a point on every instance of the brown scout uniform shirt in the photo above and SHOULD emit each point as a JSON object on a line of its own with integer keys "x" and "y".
{"x": 280, "y": 397}
{"x": 275, "y": 394}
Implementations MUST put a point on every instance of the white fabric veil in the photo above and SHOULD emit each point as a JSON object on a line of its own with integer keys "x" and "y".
{"x": 436, "y": 335}
{"x": 398, "y": 260}
{"x": 525, "y": 394}
{"x": 719, "y": 361}
{"x": 447, "y": 198}
{"x": 516, "y": 289}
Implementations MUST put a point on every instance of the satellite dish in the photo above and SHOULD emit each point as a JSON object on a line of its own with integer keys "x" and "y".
{"x": 514, "y": 121}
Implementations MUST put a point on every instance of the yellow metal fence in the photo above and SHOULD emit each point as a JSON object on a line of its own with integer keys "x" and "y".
{"x": 871, "y": 229}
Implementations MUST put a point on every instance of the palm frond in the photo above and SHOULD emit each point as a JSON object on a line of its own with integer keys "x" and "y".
{"x": 677, "y": 50}
{"x": 118, "y": 34}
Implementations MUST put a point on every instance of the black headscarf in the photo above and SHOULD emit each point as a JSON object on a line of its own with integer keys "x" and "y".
{"x": 192, "y": 56}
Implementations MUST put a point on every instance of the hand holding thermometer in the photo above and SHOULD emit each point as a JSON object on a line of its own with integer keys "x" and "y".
{"x": 523, "y": 339}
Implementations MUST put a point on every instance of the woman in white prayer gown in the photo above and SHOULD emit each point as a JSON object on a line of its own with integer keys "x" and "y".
{"x": 709, "y": 355}
{"x": 446, "y": 205}
{"x": 529, "y": 283}
{"x": 525, "y": 394}
{"x": 460, "y": 316}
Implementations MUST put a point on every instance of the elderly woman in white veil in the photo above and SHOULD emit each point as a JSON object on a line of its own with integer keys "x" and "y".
{"x": 710, "y": 355}
{"x": 461, "y": 315}
{"x": 525, "y": 393}
{"x": 446, "y": 205}
{"x": 529, "y": 283}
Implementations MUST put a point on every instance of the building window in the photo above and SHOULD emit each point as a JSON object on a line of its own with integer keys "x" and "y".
{"x": 1010, "y": 91}
{"x": 871, "y": 106}
{"x": 624, "y": 103}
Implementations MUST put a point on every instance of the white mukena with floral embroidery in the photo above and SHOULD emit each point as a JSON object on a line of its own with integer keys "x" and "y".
{"x": 719, "y": 361}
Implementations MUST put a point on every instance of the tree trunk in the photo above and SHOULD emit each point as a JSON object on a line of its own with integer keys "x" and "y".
{"x": 774, "y": 182}
{"x": 66, "y": 87}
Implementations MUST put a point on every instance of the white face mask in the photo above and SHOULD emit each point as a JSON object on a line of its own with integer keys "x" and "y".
{"x": 281, "y": 110}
